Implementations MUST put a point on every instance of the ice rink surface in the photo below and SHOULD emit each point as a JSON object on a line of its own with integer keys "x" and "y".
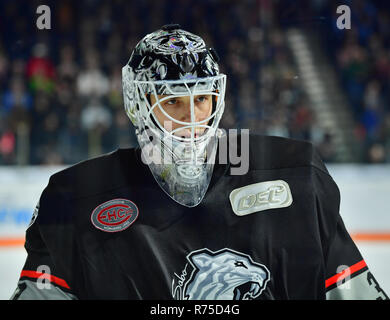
{"x": 376, "y": 255}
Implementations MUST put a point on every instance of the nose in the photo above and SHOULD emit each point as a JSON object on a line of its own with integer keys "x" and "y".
{"x": 186, "y": 115}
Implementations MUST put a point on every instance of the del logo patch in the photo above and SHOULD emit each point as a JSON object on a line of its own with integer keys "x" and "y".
{"x": 114, "y": 215}
{"x": 260, "y": 196}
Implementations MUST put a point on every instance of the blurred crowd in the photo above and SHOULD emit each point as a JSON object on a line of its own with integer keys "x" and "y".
{"x": 361, "y": 55}
{"x": 363, "y": 58}
{"x": 61, "y": 94}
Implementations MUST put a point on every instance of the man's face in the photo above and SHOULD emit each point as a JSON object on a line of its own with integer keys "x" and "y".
{"x": 179, "y": 108}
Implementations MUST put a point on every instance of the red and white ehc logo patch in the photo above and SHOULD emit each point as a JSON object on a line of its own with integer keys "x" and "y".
{"x": 114, "y": 215}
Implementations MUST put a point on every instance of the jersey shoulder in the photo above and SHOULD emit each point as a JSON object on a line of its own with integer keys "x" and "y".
{"x": 298, "y": 163}
{"x": 274, "y": 153}
{"x": 271, "y": 152}
{"x": 100, "y": 174}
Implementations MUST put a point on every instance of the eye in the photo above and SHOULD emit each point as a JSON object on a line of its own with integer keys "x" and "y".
{"x": 201, "y": 99}
{"x": 240, "y": 264}
{"x": 171, "y": 102}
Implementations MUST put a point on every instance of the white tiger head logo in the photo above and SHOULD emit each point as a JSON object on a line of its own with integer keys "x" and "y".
{"x": 224, "y": 275}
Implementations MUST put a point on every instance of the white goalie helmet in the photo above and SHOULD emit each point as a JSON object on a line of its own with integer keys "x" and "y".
{"x": 179, "y": 144}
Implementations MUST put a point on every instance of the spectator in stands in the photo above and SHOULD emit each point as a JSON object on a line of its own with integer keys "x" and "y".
{"x": 67, "y": 67}
{"x": 40, "y": 70}
{"x": 96, "y": 120}
{"x": 4, "y": 67}
{"x": 91, "y": 81}
{"x": 16, "y": 98}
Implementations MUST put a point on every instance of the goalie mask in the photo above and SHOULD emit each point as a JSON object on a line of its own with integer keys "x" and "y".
{"x": 174, "y": 96}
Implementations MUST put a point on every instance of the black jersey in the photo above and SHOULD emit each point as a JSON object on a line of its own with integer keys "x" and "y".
{"x": 104, "y": 229}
